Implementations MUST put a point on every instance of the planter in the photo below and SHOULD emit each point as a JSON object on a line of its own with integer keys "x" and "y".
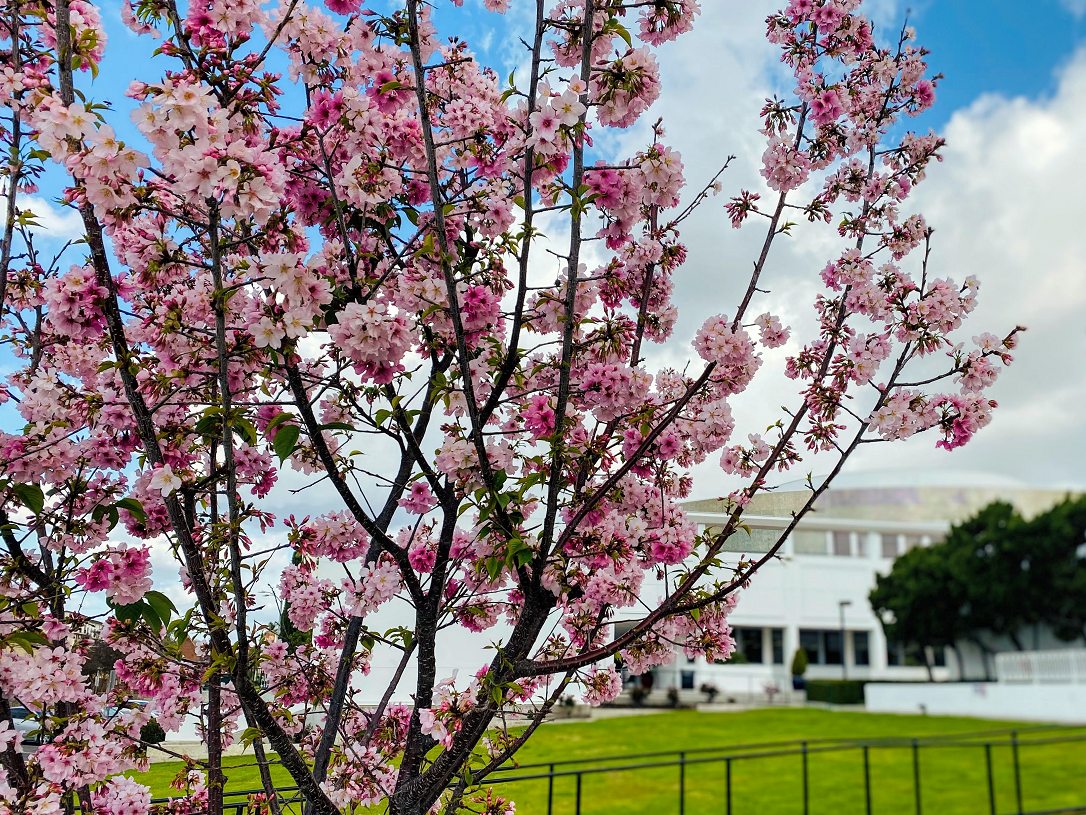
{"x": 798, "y": 683}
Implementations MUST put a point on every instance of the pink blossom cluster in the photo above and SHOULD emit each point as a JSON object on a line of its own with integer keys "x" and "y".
{"x": 124, "y": 574}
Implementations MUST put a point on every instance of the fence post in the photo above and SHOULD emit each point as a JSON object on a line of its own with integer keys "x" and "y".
{"x": 805, "y": 796}
{"x": 1017, "y": 773}
{"x": 682, "y": 783}
{"x": 991, "y": 782}
{"x": 578, "y": 794}
{"x": 550, "y": 792}
{"x": 867, "y": 782}
{"x": 728, "y": 782}
{"x": 916, "y": 774}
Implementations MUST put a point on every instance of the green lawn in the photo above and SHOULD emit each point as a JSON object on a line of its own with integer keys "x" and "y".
{"x": 953, "y": 778}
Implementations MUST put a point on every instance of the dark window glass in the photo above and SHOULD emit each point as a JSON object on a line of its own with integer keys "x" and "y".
{"x": 690, "y": 660}
{"x": 889, "y": 546}
{"x": 893, "y": 653}
{"x": 861, "y": 648}
{"x": 809, "y": 642}
{"x": 778, "y": 646}
{"x": 842, "y": 546}
{"x": 687, "y": 680}
{"x": 750, "y": 643}
{"x": 939, "y": 657}
{"x": 833, "y": 647}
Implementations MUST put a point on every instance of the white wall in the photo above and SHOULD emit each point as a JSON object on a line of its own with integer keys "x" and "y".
{"x": 1032, "y": 703}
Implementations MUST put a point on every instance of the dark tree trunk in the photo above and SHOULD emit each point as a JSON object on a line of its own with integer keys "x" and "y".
{"x": 213, "y": 722}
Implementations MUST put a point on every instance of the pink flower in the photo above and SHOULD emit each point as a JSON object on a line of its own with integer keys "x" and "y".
{"x": 419, "y": 500}
{"x": 164, "y": 480}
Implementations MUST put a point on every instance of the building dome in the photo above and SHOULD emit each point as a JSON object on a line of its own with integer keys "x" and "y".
{"x": 900, "y": 495}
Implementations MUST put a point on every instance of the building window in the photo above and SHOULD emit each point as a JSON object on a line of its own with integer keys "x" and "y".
{"x": 809, "y": 542}
{"x": 938, "y": 657}
{"x": 834, "y": 655}
{"x": 811, "y": 643}
{"x": 889, "y": 546}
{"x": 778, "y": 646}
{"x": 749, "y": 643}
{"x": 861, "y": 648}
{"x": 691, "y": 660}
{"x": 842, "y": 544}
{"x": 822, "y": 647}
{"x": 687, "y": 680}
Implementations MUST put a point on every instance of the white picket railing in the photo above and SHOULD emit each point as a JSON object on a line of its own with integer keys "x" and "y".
{"x": 1064, "y": 666}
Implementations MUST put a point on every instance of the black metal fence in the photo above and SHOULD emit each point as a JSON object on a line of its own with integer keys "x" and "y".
{"x": 984, "y": 743}
{"x": 917, "y": 752}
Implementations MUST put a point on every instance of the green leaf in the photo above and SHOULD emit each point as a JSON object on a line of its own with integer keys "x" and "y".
{"x": 162, "y": 605}
{"x": 134, "y": 507}
{"x": 129, "y": 612}
{"x": 27, "y": 639}
{"x": 246, "y": 429}
{"x": 249, "y": 735}
{"x": 286, "y": 440}
{"x": 152, "y": 618}
{"x": 278, "y": 420}
{"x": 31, "y": 497}
{"x": 337, "y": 426}
{"x": 208, "y": 426}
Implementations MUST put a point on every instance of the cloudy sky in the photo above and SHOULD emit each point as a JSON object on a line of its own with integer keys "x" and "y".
{"x": 1006, "y": 204}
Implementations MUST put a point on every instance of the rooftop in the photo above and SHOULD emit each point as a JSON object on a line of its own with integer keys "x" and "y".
{"x": 901, "y": 495}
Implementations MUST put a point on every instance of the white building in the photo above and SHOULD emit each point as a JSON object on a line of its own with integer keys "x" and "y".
{"x": 818, "y": 588}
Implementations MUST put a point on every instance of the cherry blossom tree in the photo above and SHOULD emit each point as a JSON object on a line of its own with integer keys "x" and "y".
{"x": 345, "y": 264}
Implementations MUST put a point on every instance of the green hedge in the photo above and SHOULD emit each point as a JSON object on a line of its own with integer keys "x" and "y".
{"x": 836, "y": 691}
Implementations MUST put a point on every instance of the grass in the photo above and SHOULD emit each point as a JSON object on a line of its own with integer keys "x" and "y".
{"x": 954, "y": 779}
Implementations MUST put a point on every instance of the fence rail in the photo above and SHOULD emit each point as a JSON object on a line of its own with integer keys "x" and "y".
{"x": 984, "y": 742}
{"x": 1025, "y": 667}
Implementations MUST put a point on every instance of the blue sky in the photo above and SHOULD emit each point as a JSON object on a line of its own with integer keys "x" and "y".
{"x": 1009, "y": 47}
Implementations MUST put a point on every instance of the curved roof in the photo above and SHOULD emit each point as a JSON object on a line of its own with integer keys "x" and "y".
{"x": 892, "y": 479}
{"x": 900, "y": 495}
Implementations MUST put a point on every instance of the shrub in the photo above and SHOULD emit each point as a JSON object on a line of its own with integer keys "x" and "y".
{"x": 836, "y": 691}
{"x": 638, "y": 694}
{"x": 152, "y": 733}
{"x": 710, "y": 691}
{"x": 673, "y": 696}
{"x": 799, "y": 663}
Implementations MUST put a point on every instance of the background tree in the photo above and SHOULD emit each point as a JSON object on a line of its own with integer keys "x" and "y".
{"x": 920, "y": 602}
{"x": 996, "y": 575}
{"x": 341, "y": 268}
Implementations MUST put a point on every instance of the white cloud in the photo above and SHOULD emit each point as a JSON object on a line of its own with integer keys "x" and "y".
{"x": 1076, "y": 7}
{"x": 1006, "y": 207}
{"x": 57, "y": 223}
